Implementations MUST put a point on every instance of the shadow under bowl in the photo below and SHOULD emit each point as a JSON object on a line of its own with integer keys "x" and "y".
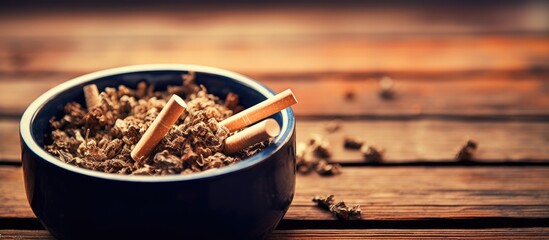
{"x": 242, "y": 201}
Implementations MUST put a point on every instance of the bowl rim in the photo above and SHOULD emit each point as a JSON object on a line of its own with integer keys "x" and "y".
{"x": 287, "y": 128}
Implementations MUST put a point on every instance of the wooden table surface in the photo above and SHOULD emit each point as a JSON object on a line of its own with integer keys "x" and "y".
{"x": 460, "y": 72}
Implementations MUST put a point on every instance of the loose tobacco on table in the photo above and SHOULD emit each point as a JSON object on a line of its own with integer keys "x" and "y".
{"x": 315, "y": 155}
{"x": 353, "y": 142}
{"x": 102, "y": 138}
{"x": 339, "y": 209}
{"x": 467, "y": 152}
{"x": 333, "y": 126}
{"x": 372, "y": 154}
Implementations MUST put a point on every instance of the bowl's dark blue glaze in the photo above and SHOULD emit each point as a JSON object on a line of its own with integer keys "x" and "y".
{"x": 242, "y": 201}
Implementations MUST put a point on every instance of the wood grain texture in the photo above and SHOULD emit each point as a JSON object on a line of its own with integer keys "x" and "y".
{"x": 259, "y": 54}
{"x": 10, "y": 149}
{"x": 435, "y": 141}
{"x": 388, "y": 194}
{"x": 428, "y": 192}
{"x": 25, "y": 234}
{"x": 13, "y": 200}
{"x": 494, "y": 233}
{"x": 320, "y": 18}
{"x": 298, "y": 39}
{"x": 484, "y": 94}
{"x": 403, "y": 141}
{"x": 477, "y": 71}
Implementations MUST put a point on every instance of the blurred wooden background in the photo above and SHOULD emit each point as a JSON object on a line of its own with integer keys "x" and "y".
{"x": 461, "y": 71}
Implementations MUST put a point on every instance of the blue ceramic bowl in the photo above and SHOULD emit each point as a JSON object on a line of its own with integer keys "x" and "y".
{"x": 243, "y": 201}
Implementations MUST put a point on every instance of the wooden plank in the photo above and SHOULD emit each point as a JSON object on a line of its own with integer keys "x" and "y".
{"x": 487, "y": 95}
{"x": 404, "y": 141}
{"x": 484, "y": 94}
{"x": 291, "y": 53}
{"x": 13, "y": 200}
{"x": 297, "y": 39}
{"x": 247, "y": 20}
{"x": 426, "y": 192}
{"x": 25, "y": 234}
{"x": 436, "y": 141}
{"x": 388, "y": 194}
{"x": 10, "y": 149}
{"x": 492, "y": 233}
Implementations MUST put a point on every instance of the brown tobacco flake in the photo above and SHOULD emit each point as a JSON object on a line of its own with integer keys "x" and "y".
{"x": 315, "y": 156}
{"x": 467, "y": 152}
{"x": 320, "y": 146}
{"x": 232, "y": 102}
{"x": 353, "y": 142}
{"x": 189, "y": 86}
{"x": 372, "y": 154}
{"x": 350, "y": 95}
{"x": 333, "y": 126}
{"x": 102, "y": 139}
{"x": 339, "y": 209}
{"x": 327, "y": 169}
{"x": 304, "y": 161}
{"x": 386, "y": 88}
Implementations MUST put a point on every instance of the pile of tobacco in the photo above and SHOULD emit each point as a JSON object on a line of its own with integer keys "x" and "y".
{"x": 101, "y": 139}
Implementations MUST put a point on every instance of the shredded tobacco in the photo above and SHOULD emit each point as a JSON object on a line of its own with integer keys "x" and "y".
{"x": 102, "y": 138}
{"x": 324, "y": 168}
{"x": 339, "y": 209}
{"x": 353, "y": 142}
{"x": 315, "y": 155}
{"x": 333, "y": 126}
{"x": 372, "y": 153}
{"x": 467, "y": 152}
{"x": 386, "y": 88}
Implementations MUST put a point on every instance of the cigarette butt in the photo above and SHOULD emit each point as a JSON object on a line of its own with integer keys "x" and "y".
{"x": 91, "y": 93}
{"x": 159, "y": 127}
{"x": 259, "y": 111}
{"x": 257, "y": 133}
